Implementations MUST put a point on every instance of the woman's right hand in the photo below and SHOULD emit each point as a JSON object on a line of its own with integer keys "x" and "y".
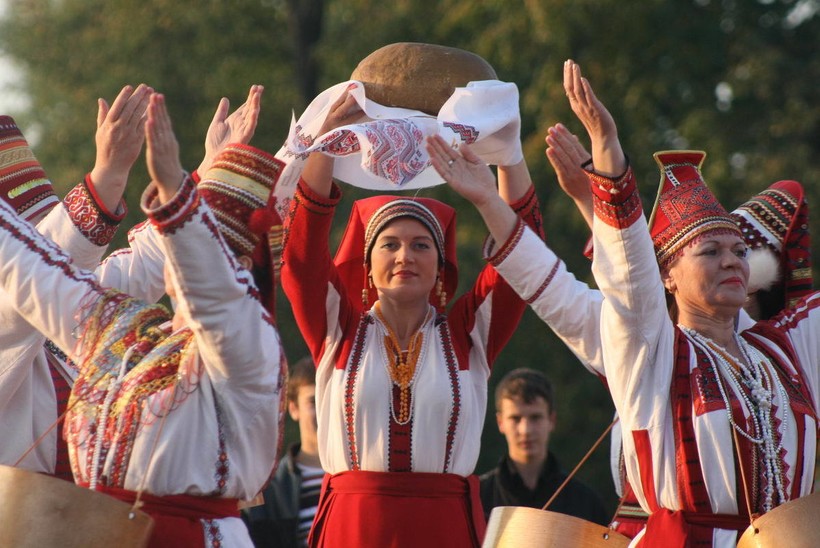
{"x": 610, "y": 160}
{"x": 462, "y": 170}
{"x": 344, "y": 111}
{"x": 318, "y": 171}
{"x": 162, "y": 150}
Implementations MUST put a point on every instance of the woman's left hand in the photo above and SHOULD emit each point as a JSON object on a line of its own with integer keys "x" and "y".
{"x": 239, "y": 127}
{"x": 463, "y": 170}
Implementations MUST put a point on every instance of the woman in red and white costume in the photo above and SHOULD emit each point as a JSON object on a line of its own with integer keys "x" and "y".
{"x": 34, "y": 380}
{"x": 699, "y": 404}
{"x": 401, "y": 387}
{"x": 35, "y": 377}
{"x": 662, "y": 376}
{"x": 181, "y": 412}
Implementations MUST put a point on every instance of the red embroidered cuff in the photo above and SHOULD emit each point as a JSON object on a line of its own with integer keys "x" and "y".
{"x": 508, "y": 246}
{"x": 616, "y": 201}
{"x": 121, "y": 206}
{"x": 529, "y": 209}
{"x": 171, "y": 216}
{"x": 315, "y": 203}
{"x": 195, "y": 176}
{"x": 89, "y": 216}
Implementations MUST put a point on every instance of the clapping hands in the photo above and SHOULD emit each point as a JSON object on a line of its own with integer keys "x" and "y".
{"x": 119, "y": 137}
{"x": 162, "y": 150}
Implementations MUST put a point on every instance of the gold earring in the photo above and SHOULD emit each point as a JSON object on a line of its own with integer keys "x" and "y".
{"x": 440, "y": 293}
{"x": 368, "y": 283}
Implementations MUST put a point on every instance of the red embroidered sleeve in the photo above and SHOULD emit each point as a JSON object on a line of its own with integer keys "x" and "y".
{"x": 616, "y": 201}
{"x": 90, "y": 216}
{"x": 308, "y": 270}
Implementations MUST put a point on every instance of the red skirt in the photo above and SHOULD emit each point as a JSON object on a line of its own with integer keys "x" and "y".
{"x": 398, "y": 509}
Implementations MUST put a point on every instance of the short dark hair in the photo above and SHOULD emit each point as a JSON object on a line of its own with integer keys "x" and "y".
{"x": 301, "y": 373}
{"x": 524, "y": 384}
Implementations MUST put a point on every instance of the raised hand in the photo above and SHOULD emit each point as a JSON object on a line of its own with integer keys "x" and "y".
{"x": 162, "y": 149}
{"x": 119, "y": 139}
{"x": 318, "y": 171}
{"x": 470, "y": 177}
{"x": 463, "y": 171}
{"x": 566, "y": 154}
{"x": 237, "y": 127}
{"x": 345, "y": 110}
{"x": 603, "y": 134}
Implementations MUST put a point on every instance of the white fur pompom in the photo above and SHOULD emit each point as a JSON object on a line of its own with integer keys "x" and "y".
{"x": 764, "y": 269}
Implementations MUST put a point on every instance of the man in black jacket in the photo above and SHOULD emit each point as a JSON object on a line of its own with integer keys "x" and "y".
{"x": 529, "y": 473}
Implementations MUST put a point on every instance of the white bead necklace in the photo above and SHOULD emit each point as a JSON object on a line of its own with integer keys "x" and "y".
{"x": 762, "y": 384}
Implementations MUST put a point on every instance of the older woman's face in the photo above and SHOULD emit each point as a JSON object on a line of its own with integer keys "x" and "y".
{"x": 404, "y": 260}
{"x": 710, "y": 276}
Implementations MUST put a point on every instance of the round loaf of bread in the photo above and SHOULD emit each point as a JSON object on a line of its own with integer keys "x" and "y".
{"x": 419, "y": 76}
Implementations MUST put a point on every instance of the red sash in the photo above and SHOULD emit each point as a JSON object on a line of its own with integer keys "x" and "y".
{"x": 177, "y": 517}
{"x": 399, "y": 509}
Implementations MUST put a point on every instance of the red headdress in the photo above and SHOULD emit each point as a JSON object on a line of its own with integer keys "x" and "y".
{"x": 369, "y": 216}
{"x": 23, "y": 183}
{"x": 776, "y": 223}
{"x": 684, "y": 208}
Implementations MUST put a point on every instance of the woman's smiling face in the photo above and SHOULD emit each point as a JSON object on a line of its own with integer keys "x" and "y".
{"x": 404, "y": 261}
{"x": 711, "y": 275}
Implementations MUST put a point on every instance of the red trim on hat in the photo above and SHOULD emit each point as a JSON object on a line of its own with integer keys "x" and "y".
{"x": 777, "y": 220}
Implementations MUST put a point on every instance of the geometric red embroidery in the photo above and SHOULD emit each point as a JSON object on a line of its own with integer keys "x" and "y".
{"x": 452, "y": 370}
{"x": 616, "y": 201}
{"x": 468, "y": 134}
{"x": 87, "y": 216}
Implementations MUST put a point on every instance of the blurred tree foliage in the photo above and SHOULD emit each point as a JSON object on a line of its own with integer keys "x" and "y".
{"x": 738, "y": 79}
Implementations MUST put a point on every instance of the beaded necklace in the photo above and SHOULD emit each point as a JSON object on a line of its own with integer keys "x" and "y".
{"x": 401, "y": 364}
{"x": 760, "y": 387}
